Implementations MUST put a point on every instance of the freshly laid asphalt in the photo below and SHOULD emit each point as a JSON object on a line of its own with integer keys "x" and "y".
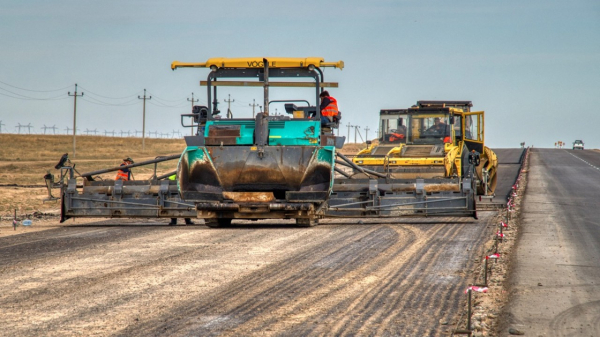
{"x": 555, "y": 282}
{"x": 509, "y": 163}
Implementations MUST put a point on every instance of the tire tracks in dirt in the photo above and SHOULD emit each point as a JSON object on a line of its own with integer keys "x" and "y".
{"x": 304, "y": 301}
{"x": 340, "y": 279}
{"x": 265, "y": 289}
{"x": 108, "y": 293}
{"x": 406, "y": 291}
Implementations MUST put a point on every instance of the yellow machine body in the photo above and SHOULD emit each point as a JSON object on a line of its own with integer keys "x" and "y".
{"x": 427, "y": 151}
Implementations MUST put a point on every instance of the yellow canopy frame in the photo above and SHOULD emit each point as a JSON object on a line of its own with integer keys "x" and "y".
{"x": 257, "y": 62}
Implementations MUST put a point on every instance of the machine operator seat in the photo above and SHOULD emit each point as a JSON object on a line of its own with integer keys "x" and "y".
{"x": 334, "y": 122}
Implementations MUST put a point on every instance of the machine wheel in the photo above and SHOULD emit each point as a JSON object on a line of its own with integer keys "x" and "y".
{"x": 307, "y": 222}
{"x": 217, "y": 223}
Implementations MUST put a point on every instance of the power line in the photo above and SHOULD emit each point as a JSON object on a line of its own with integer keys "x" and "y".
{"x": 144, "y": 119}
{"x": 49, "y": 127}
{"x": 356, "y": 130}
{"x": 28, "y": 126}
{"x": 14, "y": 86}
{"x": 74, "y": 115}
{"x": 23, "y": 97}
{"x": 162, "y": 105}
{"x": 87, "y": 132}
{"x": 169, "y": 100}
{"x": 229, "y": 101}
{"x": 349, "y": 126}
{"x": 356, "y": 127}
{"x": 108, "y": 97}
{"x": 192, "y": 100}
{"x": 99, "y": 102}
{"x": 253, "y": 105}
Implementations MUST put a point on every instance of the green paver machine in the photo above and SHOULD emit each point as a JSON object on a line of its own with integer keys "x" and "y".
{"x": 267, "y": 167}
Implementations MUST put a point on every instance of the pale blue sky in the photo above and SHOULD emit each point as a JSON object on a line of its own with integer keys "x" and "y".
{"x": 533, "y": 66}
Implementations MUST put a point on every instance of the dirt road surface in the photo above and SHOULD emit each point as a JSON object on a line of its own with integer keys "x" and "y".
{"x": 142, "y": 278}
{"x": 341, "y": 278}
{"x": 556, "y": 274}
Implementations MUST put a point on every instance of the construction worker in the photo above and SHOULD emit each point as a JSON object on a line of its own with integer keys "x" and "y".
{"x": 173, "y": 222}
{"x": 438, "y": 127}
{"x": 125, "y": 173}
{"x": 329, "y": 107}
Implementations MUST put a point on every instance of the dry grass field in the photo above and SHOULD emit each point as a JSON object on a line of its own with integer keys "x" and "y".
{"x": 25, "y": 159}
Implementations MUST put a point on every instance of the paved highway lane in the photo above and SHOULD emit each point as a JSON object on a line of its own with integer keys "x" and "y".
{"x": 509, "y": 164}
{"x": 556, "y": 279}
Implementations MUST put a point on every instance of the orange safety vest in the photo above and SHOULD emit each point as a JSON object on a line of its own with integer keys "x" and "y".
{"x": 331, "y": 109}
{"x": 122, "y": 175}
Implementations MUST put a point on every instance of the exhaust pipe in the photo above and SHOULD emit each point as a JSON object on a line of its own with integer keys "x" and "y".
{"x": 261, "y": 124}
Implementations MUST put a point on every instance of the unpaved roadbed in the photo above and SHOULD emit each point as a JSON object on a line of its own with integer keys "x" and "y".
{"x": 340, "y": 278}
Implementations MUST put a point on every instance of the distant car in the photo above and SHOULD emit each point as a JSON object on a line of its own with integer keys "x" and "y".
{"x": 578, "y": 144}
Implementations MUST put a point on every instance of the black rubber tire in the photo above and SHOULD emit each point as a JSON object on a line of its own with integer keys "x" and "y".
{"x": 307, "y": 222}
{"x": 217, "y": 223}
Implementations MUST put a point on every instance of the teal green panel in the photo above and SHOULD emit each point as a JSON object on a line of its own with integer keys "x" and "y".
{"x": 327, "y": 154}
{"x": 282, "y": 132}
{"x": 294, "y": 132}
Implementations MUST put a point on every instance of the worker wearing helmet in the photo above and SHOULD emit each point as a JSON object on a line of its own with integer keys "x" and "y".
{"x": 125, "y": 173}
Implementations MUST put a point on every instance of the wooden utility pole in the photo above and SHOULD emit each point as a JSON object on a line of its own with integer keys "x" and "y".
{"x": 1, "y": 126}
{"x": 367, "y": 133}
{"x": 229, "y": 101}
{"x": 349, "y": 126}
{"x": 74, "y": 117}
{"x": 193, "y": 101}
{"x": 253, "y": 105}
{"x": 356, "y": 127}
{"x": 144, "y": 119}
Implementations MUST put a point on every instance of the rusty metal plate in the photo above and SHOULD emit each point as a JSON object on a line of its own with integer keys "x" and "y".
{"x": 249, "y": 196}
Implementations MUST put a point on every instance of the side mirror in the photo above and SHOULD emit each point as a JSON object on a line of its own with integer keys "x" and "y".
{"x": 368, "y": 143}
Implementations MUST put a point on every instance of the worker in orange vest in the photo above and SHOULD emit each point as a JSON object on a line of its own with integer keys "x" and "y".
{"x": 329, "y": 107}
{"x": 125, "y": 173}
